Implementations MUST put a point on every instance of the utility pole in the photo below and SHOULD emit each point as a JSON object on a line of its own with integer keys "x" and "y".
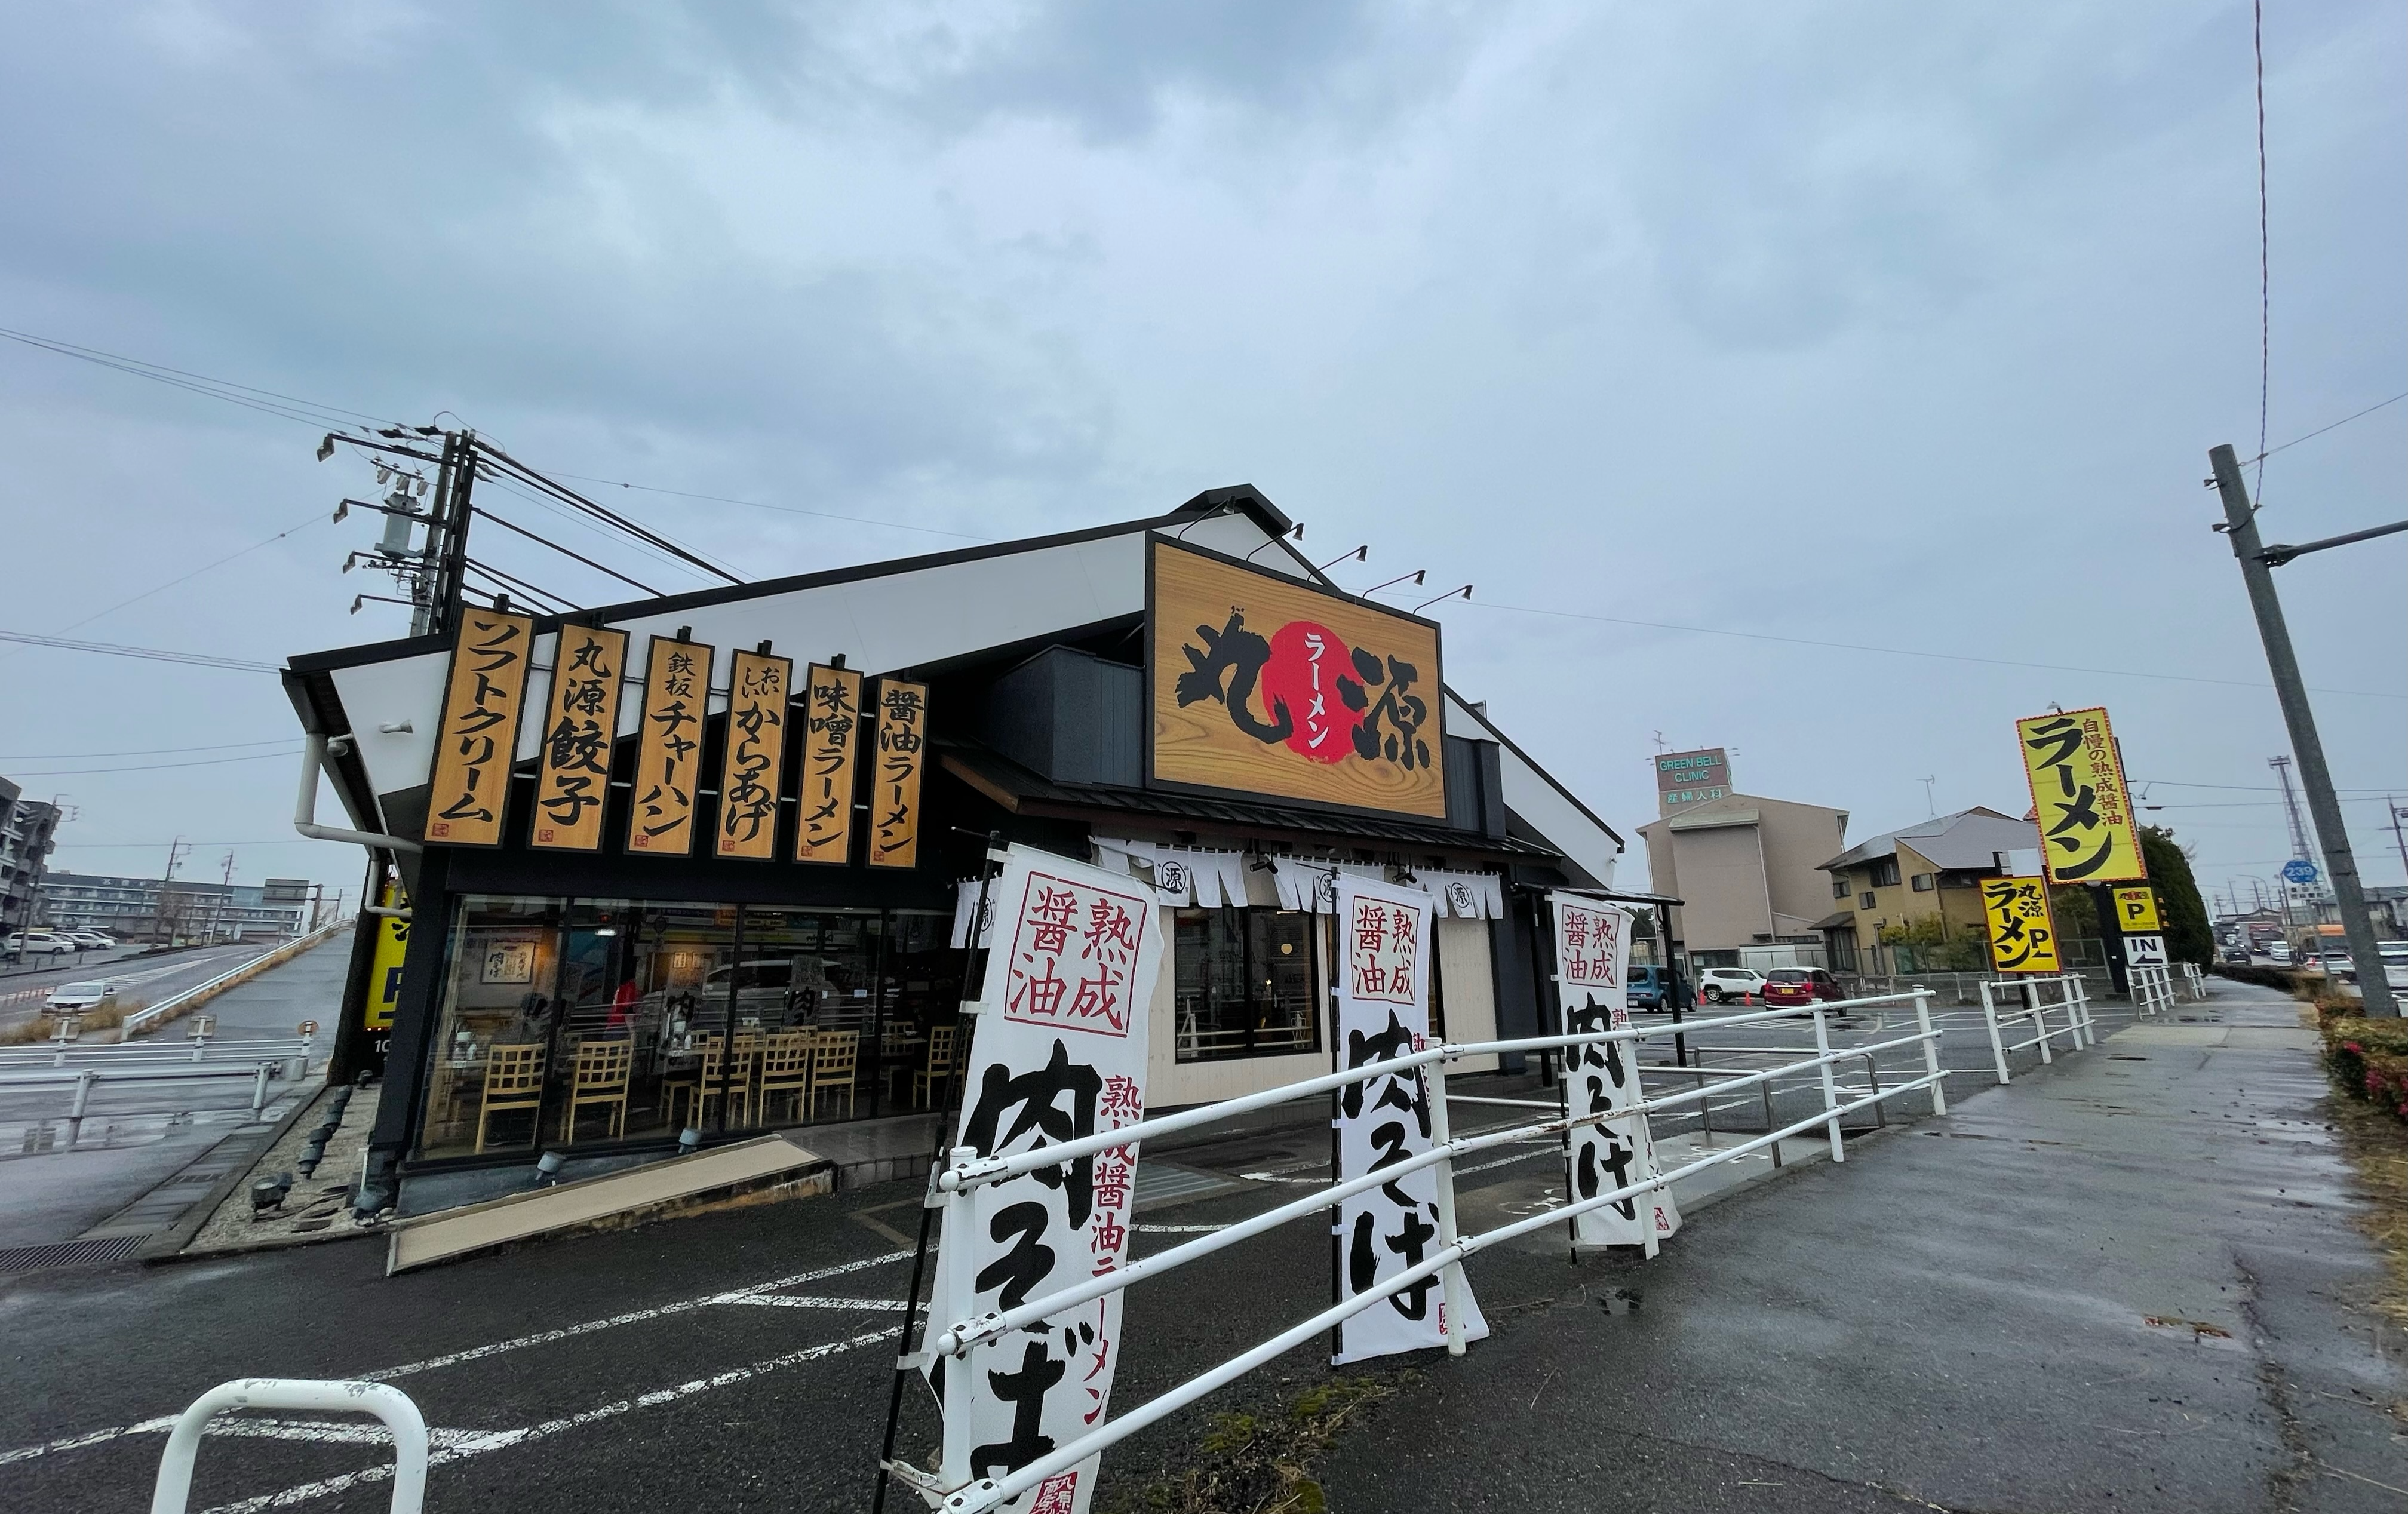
{"x": 2398, "y": 815}
{"x": 2340, "y": 868}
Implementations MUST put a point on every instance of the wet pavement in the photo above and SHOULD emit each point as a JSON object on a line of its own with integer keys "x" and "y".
{"x": 2122, "y": 1282}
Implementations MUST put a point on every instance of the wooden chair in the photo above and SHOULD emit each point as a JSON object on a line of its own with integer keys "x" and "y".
{"x": 940, "y": 1067}
{"x": 600, "y": 1077}
{"x": 513, "y": 1081}
{"x": 741, "y": 1067}
{"x": 834, "y": 1059}
{"x": 786, "y": 1069}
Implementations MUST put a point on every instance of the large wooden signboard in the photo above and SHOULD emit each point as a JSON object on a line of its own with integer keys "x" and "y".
{"x": 1260, "y": 684}
{"x": 579, "y": 722}
{"x": 469, "y": 788}
{"x": 669, "y": 748}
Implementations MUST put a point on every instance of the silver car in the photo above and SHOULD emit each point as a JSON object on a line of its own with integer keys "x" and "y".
{"x": 80, "y": 998}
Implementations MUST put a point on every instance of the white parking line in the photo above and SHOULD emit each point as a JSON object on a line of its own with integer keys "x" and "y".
{"x": 165, "y": 1422}
{"x": 789, "y": 1301}
{"x": 481, "y": 1443}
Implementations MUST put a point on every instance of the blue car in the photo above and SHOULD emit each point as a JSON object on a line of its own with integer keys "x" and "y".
{"x": 1646, "y": 987}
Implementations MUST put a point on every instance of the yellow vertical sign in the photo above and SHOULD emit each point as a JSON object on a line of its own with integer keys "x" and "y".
{"x": 669, "y": 748}
{"x": 895, "y": 786}
{"x": 2086, "y": 832}
{"x": 2136, "y": 911}
{"x": 758, "y": 687}
{"x": 470, "y": 786}
{"x": 581, "y": 720}
{"x": 2023, "y": 937}
{"x": 832, "y": 737}
{"x": 384, "y": 965}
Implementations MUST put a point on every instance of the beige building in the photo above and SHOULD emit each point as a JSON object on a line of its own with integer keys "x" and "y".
{"x": 1744, "y": 868}
{"x": 1933, "y": 870}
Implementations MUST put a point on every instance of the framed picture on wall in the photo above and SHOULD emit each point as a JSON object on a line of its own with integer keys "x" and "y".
{"x": 509, "y": 961}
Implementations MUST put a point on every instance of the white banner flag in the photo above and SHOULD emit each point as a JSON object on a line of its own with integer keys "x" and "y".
{"x": 1593, "y": 993}
{"x": 1059, "y": 1054}
{"x": 1382, "y": 972}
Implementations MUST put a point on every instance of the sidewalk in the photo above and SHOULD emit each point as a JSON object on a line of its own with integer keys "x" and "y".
{"x": 2122, "y": 1283}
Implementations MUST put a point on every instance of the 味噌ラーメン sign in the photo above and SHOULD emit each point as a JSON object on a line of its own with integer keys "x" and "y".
{"x": 1262, "y": 684}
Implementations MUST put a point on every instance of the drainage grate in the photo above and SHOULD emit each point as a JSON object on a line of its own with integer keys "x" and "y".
{"x": 68, "y": 1254}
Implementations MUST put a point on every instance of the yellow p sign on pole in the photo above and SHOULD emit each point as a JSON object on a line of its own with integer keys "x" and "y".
{"x": 2136, "y": 911}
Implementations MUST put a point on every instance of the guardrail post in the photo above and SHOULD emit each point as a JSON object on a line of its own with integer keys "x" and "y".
{"x": 1830, "y": 1089}
{"x": 1765, "y": 1088}
{"x": 1872, "y": 1076}
{"x": 259, "y": 1090}
{"x": 174, "y": 1486}
{"x": 1451, "y": 1284}
{"x": 1989, "y": 1013}
{"x": 2040, "y": 1023}
{"x": 75, "y": 1110}
{"x": 1932, "y": 1053}
{"x": 960, "y": 1291}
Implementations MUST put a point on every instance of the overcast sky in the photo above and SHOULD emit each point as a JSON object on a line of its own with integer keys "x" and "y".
{"x": 1888, "y": 324}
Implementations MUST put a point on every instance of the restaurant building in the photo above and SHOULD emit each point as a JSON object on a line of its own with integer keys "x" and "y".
{"x": 708, "y": 862}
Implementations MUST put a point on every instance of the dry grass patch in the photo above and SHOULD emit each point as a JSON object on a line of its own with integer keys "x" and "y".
{"x": 1264, "y": 1464}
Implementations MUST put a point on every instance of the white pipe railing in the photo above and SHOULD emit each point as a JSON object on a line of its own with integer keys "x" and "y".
{"x": 2153, "y": 989}
{"x": 87, "y": 1079}
{"x": 205, "y": 1049}
{"x": 2080, "y": 1029}
{"x": 274, "y": 957}
{"x": 174, "y": 1487}
{"x": 953, "y": 1343}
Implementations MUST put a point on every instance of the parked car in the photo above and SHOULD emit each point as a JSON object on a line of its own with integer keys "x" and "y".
{"x": 90, "y": 940}
{"x": 41, "y": 944}
{"x": 2279, "y": 954}
{"x": 82, "y": 997}
{"x": 1800, "y": 985}
{"x": 2395, "y": 962}
{"x": 1716, "y": 985}
{"x": 1646, "y": 986}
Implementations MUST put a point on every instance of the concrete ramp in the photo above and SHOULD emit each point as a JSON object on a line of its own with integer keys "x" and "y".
{"x": 753, "y": 1172}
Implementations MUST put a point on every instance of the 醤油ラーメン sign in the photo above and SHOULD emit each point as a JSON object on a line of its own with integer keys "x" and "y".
{"x": 1262, "y": 684}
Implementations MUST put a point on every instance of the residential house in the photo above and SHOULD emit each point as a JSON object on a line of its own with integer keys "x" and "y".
{"x": 1932, "y": 870}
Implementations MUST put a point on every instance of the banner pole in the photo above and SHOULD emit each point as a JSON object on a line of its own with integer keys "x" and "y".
{"x": 963, "y": 1026}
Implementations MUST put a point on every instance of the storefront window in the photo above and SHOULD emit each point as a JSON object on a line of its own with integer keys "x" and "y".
{"x": 596, "y": 1021}
{"x": 1246, "y": 983}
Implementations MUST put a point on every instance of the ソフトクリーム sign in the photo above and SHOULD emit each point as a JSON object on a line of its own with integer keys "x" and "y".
{"x": 1265, "y": 685}
{"x": 470, "y": 787}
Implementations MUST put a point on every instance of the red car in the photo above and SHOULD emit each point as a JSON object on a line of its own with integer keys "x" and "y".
{"x": 1800, "y": 985}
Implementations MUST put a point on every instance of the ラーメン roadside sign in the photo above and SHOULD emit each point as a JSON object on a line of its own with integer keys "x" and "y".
{"x": 2087, "y": 830}
{"x": 2136, "y": 911}
{"x": 2023, "y": 937}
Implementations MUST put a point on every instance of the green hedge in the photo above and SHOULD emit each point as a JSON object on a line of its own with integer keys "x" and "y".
{"x": 2286, "y": 979}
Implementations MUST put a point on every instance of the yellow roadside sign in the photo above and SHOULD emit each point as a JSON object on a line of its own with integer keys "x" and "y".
{"x": 2023, "y": 937}
{"x": 2086, "y": 833}
{"x": 2136, "y": 911}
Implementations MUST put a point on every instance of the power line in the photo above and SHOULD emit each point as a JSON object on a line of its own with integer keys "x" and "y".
{"x": 153, "y": 653}
{"x": 572, "y": 499}
{"x": 145, "y": 751}
{"x": 509, "y": 525}
{"x": 788, "y": 510}
{"x": 2265, "y": 252}
{"x": 1911, "y": 651}
{"x": 288, "y": 406}
{"x": 2237, "y": 788}
{"x": 2336, "y": 426}
{"x": 153, "y": 767}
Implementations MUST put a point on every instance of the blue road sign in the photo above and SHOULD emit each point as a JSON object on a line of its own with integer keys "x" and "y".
{"x": 2299, "y": 870}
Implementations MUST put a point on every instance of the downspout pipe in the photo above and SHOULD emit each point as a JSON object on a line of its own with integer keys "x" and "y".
{"x": 305, "y": 812}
